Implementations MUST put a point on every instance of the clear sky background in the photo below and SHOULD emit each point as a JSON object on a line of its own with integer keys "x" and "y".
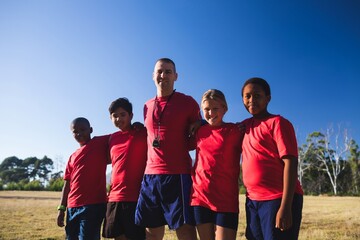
{"x": 64, "y": 59}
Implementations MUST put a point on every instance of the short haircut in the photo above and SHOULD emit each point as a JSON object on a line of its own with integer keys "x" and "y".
{"x": 80, "y": 120}
{"x": 121, "y": 102}
{"x": 216, "y": 95}
{"x": 167, "y": 60}
{"x": 258, "y": 81}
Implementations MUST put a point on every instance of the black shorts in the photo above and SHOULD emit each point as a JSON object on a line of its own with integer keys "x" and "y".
{"x": 223, "y": 219}
{"x": 120, "y": 220}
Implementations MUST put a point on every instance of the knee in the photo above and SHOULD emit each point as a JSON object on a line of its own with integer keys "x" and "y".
{"x": 186, "y": 232}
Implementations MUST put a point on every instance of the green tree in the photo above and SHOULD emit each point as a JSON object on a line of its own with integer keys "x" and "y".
{"x": 11, "y": 170}
{"x": 330, "y": 156}
{"x": 14, "y": 170}
{"x": 10, "y": 163}
{"x": 44, "y": 168}
{"x": 35, "y": 185}
{"x": 345, "y": 180}
{"x": 313, "y": 181}
{"x": 30, "y": 164}
{"x": 354, "y": 161}
{"x": 306, "y": 159}
{"x": 38, "y": 169}
{"x": 56, "y": 184}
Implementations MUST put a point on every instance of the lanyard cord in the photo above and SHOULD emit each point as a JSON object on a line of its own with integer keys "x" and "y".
{"x": 162, "y": 112}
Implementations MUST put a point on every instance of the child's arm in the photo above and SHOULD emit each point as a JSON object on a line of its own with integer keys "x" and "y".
{"x": 137, "y": 126}
{"x": 284, "y": 214}
{"x": 192, "y": 133}
{"x": 195, "y": 126}
{"x": 63, "y": 203}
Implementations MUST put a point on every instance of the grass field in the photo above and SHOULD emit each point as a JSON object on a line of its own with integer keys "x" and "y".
{"x": 32, "y": 215}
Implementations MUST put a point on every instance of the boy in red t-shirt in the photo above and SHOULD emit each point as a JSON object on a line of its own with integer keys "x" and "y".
{"x": 84, "y": 192}
{"x": 274, "y": 197}
{"x": 128, "y": 151}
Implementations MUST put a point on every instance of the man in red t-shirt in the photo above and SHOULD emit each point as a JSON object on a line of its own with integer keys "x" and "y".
{"x": 165, "y": 191}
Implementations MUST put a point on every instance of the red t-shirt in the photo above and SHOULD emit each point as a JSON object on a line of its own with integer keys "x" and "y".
{"x": 217, "y": 166}
{"x": 265, "y": 142}
{"x": 86, "y": 172}
{"x": 173, "y": 155}
{"x": 128, "y": 158}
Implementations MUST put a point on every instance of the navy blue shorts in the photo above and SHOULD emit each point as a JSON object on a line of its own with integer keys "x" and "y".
{"x": 164, "y": 199}
{"x": 261, "y": 216}
{"x": 223, "y": 219}
{"x": 85, "y": 222}
{"x": 120, "y": 220}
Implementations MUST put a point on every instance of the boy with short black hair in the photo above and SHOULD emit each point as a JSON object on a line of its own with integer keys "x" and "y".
{"x": 274, "y": 196}
{"x": 84, "y": 192}
{"x": 128, "y": 151}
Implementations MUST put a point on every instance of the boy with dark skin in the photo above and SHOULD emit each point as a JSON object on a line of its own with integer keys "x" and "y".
{"x": 84, "y": 192}
{"x": 274, "y": 196}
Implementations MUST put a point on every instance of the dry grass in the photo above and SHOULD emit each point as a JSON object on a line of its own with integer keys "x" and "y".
{"x": 32, "y": 215}
{"x": 29, "y": 215}
{"x": 331, "y": 218}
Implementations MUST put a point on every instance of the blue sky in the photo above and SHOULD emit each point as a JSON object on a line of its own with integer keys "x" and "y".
{"x": 64, "y": 59}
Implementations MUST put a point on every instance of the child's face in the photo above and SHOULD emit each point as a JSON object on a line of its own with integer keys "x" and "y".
{"x": 213, "y": 112}
{"x": 255, "y": 99}
{"x": 121, "y": 119}
{"x": 81, "y": 132}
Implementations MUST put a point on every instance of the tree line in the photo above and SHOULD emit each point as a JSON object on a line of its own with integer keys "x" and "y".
{"x": 29, "y": 174}
{"x": 329, "y": 163}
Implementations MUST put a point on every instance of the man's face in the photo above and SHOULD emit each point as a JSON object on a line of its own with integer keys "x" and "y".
{"x": 164, "y": 76}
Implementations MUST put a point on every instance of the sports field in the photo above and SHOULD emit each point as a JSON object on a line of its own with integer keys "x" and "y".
{"x": 32, "y": 215}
